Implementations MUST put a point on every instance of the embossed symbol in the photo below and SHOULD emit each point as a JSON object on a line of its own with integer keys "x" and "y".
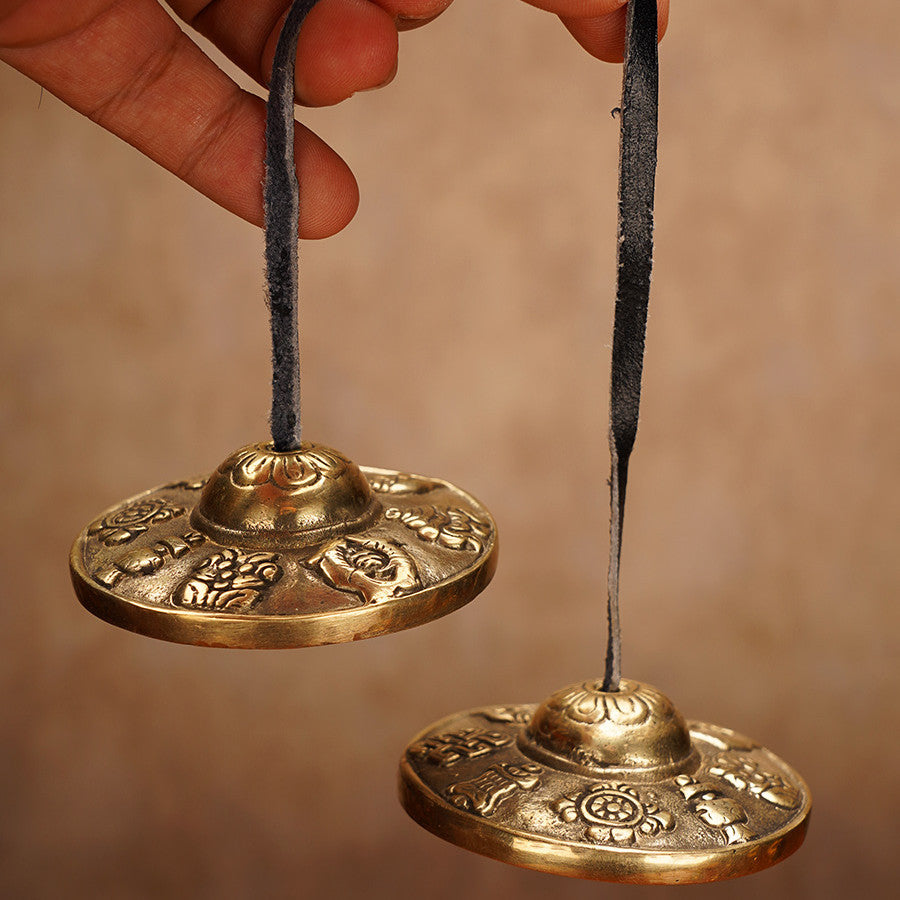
{"x": 375, "y": 570}
{"x": 196, "y": 485}
{"x": 449, "y": 749}
{"x": 615, "y": 813}
{"x": 127, "y": 523}
{"x": 228, "y": 580}
{"x": 714, "y": 808}
{"x": 744, "y": 773}
{"x": 486, "y": 792}
{"x": 511, "y": 715}
{"x": 148, "y": 560}
{"x": 401, "y": 483}
{"x": 449, "y": 526}
{"x": 723, "y": 738}
{"x": 288, "y": 471}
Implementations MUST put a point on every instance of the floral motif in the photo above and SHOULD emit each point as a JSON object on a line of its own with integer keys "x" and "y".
{"x": 589, "y": 704}
{"x": 289, "y": 471}
{"x": 615, "y": 813}
{"x": 401, "y": 483}
{"x": 127, "y": 523}
{"x": 228, "y": 580}
{"x": 375, "y": 570}
{"x": 714, "y": 808}
{"x": 744, "y": 773}
{"x": 487, "y": 791}
{"x": 448, "y": 526}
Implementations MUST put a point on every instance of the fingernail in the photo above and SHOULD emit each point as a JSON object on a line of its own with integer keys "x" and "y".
{"x": 405, "y": 23}
{"x": 387, "y": 80}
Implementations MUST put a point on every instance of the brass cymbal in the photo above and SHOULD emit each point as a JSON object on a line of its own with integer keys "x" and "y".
{"x": 613, "y": 786}
{"x": 286, "y": 549}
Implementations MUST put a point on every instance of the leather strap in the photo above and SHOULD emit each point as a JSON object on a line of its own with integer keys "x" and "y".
{"x": 637, "y": 174}
{"x": 282, "y": 212}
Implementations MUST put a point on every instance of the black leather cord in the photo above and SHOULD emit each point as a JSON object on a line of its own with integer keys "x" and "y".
{"x": 637, "y": 174}
{"x": 635, "y": 257}
{"x": 282, "y": 210}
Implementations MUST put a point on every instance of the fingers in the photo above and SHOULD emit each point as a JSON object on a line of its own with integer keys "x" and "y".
{"x": 598, "y": 25}
{"x": 413, "y": 13}
{"x": 128, "y": 66}
{"x": 578, "y": 8}
{"x": 345, "y": 46}
{"x": 603, "y": 36}
{"x": 351, "y": 45}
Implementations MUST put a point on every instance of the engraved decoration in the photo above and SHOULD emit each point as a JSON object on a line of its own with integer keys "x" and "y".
{"x": 590, "y": 705}
{"x": 127, "y": 523}
{"x": 745, "y": 773}
{"x": 484, "y": 793}
{"x": 148, "y": 560}
{"x": 724, "y": 738}
{"x": 449, "y": 749}
{"x": 714, "y": 808}
{"x": 589, "y": 729}
{"x": 506, "y": 714}
{"x": 400, "y": 483}
{"x": 289, "y": 471}
{"x": 616, "y": 813}
{"x": 194, "y": 484}
{"x": 448, "y": 526}
{"x": 228, "y": 580}
{"x": 375, "y": 570}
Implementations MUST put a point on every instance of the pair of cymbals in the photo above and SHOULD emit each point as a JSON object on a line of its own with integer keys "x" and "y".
{"x": 294, "y": 549}
{"x": 297, "y": 547}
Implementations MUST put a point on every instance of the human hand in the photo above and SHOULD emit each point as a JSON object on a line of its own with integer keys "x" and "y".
{"x": 128, "y": 66}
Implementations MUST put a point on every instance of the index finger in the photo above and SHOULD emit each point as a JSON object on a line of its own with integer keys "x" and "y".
{"x": 128, "y": 66}
{"x": 413, "y": 13}
{"x": 599, "y": 25}
{"x": 578, "y": 8}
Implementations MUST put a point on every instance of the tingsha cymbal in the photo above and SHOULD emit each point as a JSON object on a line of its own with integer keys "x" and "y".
{"x": 288, "y": 549}
{"x": 613, "y": 786}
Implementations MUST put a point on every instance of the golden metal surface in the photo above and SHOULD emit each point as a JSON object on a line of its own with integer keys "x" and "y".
{"x": 614, "y": 786}
{"x": 285, "y": 550}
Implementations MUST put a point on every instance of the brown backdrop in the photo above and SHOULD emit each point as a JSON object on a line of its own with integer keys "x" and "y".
{"x": 460, "y": 327}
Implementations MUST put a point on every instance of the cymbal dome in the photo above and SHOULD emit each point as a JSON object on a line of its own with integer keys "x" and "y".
{"x": 259, "y": 497}
{"x": 636, "y": 729}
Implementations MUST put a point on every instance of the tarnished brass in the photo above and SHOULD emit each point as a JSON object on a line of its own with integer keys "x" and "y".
{"x": 614, "y": 786}
{"x": 285, "y": 550}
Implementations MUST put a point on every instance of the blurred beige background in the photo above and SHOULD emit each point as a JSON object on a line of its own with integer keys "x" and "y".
{"x": 460, "y": 327}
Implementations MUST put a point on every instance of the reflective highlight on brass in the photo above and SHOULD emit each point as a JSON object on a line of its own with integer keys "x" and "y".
{"x": 635, "y": 732}
{"x": 613, "y": 786}
{"x": 285, "y": 550}
{"x": 260, "y": 498}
